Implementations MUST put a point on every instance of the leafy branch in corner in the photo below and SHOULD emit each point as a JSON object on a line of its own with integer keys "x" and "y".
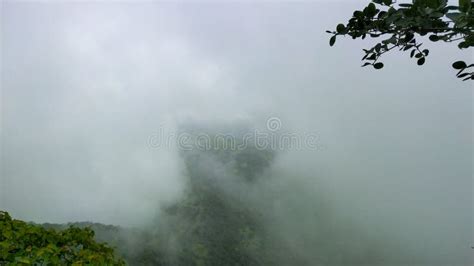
{"x": 401, "y": 25}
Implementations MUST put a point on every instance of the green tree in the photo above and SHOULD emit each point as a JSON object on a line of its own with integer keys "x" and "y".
{"x": 23, "y": 243}
{"x": 401, "y": 25}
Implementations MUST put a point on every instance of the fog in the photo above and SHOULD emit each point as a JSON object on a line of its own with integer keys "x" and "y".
{"x": 87, "y": 86}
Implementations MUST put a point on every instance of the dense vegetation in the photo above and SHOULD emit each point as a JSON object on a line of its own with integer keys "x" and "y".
{"x": 28, "y": 244}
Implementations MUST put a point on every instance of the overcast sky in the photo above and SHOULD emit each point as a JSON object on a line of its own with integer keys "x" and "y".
{"x": 84, "y": 86}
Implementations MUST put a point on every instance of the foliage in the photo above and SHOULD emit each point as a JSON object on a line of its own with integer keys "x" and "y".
{"x": 401, "y": 25}
{"x": 23, "y": 243}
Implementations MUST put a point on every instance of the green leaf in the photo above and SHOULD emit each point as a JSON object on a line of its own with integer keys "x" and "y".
{"x": 421, "y": 61}
{"x": 463, "y": 45}
{"x": 358, "y": 14}
{"x": 370, "y": 10}
{"x": 332, "y": 41}
{"x": 340, "y": 28}
{"x": 463, "y": 75}
{"x": 459, "y": 65}
{"x": 378, "y": 65}
{"x": 408, "y": 37}
{"x": 454, "y": 16}
{"x": 434, "y": 38}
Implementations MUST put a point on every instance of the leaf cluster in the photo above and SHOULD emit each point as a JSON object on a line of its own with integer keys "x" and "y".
{"x": 401, "y": 25}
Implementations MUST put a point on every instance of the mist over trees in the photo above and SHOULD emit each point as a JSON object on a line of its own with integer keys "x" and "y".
{"x": 228, "y": 215}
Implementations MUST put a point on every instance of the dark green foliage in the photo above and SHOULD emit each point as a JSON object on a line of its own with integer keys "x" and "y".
{"x": 332, "y": 41}
{"x": 464, "y": 70}
{"x": 378, "y": 65}
{"x": 22, "y": 243}
{"x": 135, "y": 246}
{"x": 401, "y": 25}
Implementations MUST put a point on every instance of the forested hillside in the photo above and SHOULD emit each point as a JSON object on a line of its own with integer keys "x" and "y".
{"x": 24, "y": 243}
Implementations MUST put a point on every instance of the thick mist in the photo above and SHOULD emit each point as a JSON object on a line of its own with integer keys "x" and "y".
{"x": 86, "y": 88}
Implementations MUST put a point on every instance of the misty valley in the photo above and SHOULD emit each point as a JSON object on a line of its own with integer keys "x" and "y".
{"x": 236, "y": 210}
{"x": 232, "y": 212}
